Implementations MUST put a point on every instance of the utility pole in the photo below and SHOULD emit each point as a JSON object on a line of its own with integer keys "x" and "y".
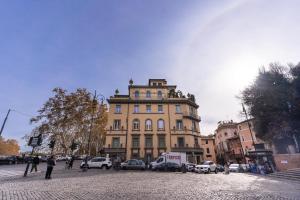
{"x": 249, "y": 126}
{"x": 4, "y": 122}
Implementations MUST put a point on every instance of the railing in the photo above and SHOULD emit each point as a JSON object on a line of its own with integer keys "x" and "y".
{"x": 191, "y": 115}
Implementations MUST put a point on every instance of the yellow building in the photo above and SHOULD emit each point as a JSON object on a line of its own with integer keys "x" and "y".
{"x": 152, "y": 119}
{"x": 209, "y": 148}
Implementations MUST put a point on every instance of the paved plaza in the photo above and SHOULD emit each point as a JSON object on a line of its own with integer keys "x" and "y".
{"x": 110, "y": 184}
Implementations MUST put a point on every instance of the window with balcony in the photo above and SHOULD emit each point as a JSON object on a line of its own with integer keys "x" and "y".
{"x": 178, "y": 109}
{"x": 179, "y": 125}
{"x": 117, "y": 124}
{"x": 148, "y": 108}
{"x": 159, "y": 94}
{"x": 136, "y": 109}
{"x": 161, "y": 141}
{"x": 148, "y": 124}
{"x": 148, "y": 142}
{"x": 160, "y": 108}
{"x": 206, "y": 141}
{"x": 207, "y": 150}
{"x": 118, "y": 109}
{"x": 135, "y": 142}
{"x": 116, "y": 142}
{"x": 180, "y": 141}
{"x": 148, "y": 94}
{"x": 136, "y": 124}
{"x": 161, "y": 124}
{"x": 196, "y": 142}
{"x": 194, "y": 126}
{"x": 136, "y": 94}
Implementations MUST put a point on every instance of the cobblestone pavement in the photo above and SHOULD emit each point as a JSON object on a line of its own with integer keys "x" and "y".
{"x": 110, "y": 184}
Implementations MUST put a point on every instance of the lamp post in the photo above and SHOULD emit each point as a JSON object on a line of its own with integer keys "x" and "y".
{"x": 91, "y": 124}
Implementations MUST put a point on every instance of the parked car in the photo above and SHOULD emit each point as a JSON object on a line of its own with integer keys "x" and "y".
{"x": 44, "y": 158}
{"x": 245, "y": 167}
{"x": 60, "y": 158}
{"x": 190, "y": 167}
{"x": 8, "y": 160}
{"x": 97, "y": 162}
{"x": 235, "y": 167}
{"x": 133, "y": 164}
{"x": 169, "y": 166}
{"x": 206, "y": 167}
{"x": 220, "y": 168}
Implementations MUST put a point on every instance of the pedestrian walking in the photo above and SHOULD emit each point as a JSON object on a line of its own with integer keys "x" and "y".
{"x": 35, "y": 163}
{"x": 50, "y": 164}
{"x": 71, "y": 162}
{"x": 226, "y": 168}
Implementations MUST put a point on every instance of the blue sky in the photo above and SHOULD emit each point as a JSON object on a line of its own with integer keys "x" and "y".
{"x": 210, "y": 48}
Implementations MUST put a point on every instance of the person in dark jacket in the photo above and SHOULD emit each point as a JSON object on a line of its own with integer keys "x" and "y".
{"x": 35, "y": 162}
{"x": 71, "y": 162}
{"x": 50, "y": 165}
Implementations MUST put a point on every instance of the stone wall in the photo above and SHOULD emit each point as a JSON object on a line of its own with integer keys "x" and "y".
{"x": 287, "y": 161}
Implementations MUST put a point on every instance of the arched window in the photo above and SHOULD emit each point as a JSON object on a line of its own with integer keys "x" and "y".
{"x": 148, "y": 124}
{"x": 136, "y": 124}
{"x": 148, "y": 94}
{"x": 159, "y": 94}
{"x": 160, "y": 124}
{"x": 136, "y": 94}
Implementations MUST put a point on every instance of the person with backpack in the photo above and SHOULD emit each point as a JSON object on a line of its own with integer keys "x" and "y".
{"x": 71, "y": 162}
{"x": 50, "y": 164}
{"x": 35, "y": 163}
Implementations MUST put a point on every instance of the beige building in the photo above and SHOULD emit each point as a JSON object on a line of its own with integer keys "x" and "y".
{"x": 226, "y": 137}
{"x": 209, "y": 148}
{"x": 152, "y": 119}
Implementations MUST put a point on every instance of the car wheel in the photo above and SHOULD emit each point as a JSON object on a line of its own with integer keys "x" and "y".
{"x": 216, "y": 170}
{"x": 107, "y": 167}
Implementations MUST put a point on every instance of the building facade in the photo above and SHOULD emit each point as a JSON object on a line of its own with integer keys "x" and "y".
{"x": 209, "y": 148}
{"x": 152, "y": 119}
{"x": 227, "y": 142}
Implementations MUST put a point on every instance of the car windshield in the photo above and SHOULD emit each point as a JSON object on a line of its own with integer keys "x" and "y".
{"x": 205, "y": 163}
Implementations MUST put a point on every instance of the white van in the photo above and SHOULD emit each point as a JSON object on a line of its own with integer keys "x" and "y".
{"x": 170, "y": 157}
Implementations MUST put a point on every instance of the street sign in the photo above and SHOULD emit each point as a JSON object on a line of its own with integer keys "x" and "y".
{"x": 35, "y": 141}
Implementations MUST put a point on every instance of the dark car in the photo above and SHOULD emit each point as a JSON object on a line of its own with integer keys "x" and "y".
{"x": 220, "y": 168}
{"x": 169, "y": 167}
{"x": 133, "y": 164}
{"x": 8, "y": 160}
{"x": 190, "y": 167}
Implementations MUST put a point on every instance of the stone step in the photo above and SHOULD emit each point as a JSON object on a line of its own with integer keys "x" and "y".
{"x": 290, "y": 177}
{"x": 294, "y": 170}
{"x": 287, "y": 173}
